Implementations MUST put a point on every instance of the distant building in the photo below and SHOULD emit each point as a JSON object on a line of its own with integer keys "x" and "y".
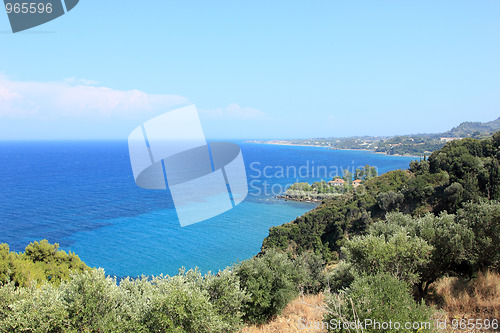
{"x": 356, "y": 183}
{"x": 336, "y": 182}
{"x": 448, "y": 139}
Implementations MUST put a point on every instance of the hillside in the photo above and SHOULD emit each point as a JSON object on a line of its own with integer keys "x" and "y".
{"x": 463, "y": 170}
{"x": 470, "y": 128}
{"x": 411, "y": 144}
{"x": 403, "y": 240}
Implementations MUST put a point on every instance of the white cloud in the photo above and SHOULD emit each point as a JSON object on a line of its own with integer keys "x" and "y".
{"x": 234, "y": 111}
{"x": 79, "y": 98}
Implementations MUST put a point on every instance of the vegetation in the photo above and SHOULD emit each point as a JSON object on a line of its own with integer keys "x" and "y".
{"x": 405, "y": 240}
{"x": 461, "y": 176}
{"x": 254, "y": 291}
{"x": 304, "y": 313}
{"x": 468, "y": 298}
{"x": 417, "y": 144}
{"x": 375, "y": 298}
{"x": 40, "y": 262}
{"x": 405, "y": 231}
{"x": 319, "y": 191}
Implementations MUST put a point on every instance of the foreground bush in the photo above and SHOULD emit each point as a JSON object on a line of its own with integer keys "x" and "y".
{"x": 271, "y": 281}
{"x": 32, "y": 309}
{"x": 46, "y": 290}
{"x": 91, "y": 302}
{"x": 381, "y": 298}
{"x": 341, "y": 276}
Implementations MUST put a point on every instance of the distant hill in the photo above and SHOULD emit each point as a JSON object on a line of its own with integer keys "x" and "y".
{"x": 412, "y": 144}
{"x": 470, "y": 128}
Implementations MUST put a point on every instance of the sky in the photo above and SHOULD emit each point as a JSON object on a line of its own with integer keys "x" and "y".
{"x": 254, "y": 69}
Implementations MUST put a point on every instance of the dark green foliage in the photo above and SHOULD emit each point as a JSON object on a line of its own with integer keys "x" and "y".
{"x": 462, "y": 171}
{"x": 312, "y": 268}
{"x": 381, "y": 298}
{"x": 471, "y": 163}
{"x": 340, "y": 277}
{"x": 271, "y": 281}
{"x": 483, "y": 220}
{"x": 419, "y": 167}
{"x": 389, "y": 201}
{"x": 323, "y": 229}
{"x": 454, "y": 194}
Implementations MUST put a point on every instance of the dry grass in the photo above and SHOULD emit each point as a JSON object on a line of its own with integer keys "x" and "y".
{"x": 462, "y": 299}
{"x": 310, "y": 308}
{"x": 457, "y": 298}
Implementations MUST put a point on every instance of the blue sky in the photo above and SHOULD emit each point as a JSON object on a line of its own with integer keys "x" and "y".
{"x": 254, "y": 69}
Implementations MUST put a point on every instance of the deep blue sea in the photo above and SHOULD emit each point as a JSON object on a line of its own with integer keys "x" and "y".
{"x": 82, "y": 195}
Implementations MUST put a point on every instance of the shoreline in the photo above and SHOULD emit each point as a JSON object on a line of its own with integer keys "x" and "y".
{"x": 331, "y": 148}
{"x": 285, "y": 144}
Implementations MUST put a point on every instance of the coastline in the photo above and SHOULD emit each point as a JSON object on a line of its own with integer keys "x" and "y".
{"x": 331, "y": 148}
{"x": 285, "y": 144}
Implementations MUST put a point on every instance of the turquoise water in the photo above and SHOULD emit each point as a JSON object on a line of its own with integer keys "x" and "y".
{"x": 82, "y": 195}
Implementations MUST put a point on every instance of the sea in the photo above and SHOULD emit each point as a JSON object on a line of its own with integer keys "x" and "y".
{"x": 82, "y": 195}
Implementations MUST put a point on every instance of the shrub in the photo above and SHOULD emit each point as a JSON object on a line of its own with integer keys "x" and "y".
{"x": 376, "y": 298}
{"x": 179, "y": 304}
{"x": 32, "y": 309}
{"x": 398, "y": 254}
{"x": 227, "y": 298}
{"x": 311, "y": 268}
{"x": 92, "y": 301}
{"x": 271, "y": 281}
{"x": 449, "y": 239}
{"x": 40, "y": 262}
{"x": 340, "y": 277}
{"x": 483, "y": 219}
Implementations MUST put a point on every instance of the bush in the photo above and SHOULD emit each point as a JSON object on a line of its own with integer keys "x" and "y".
{"x": 178, "y": 304}
{"x": 311, "y": 268}
{"x": 376, "y": 298}
{"x": 92, "y": 301}
{"x": 483, "y": 219}
{"x": 271, "y": 281}
{"x": 399, "y": 254}
{"x": 227, "y": 298}
{"x": 340, "y": 277}
{"x": 449, "y": 238}
{"x": 32, "y": 309}
{"x": 39, "y": 263}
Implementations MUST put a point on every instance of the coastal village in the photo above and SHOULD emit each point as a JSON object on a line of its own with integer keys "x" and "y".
{"x": 319, "y": 191}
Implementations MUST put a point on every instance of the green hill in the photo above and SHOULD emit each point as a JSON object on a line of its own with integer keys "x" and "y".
{"x": 470, "y": 128}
